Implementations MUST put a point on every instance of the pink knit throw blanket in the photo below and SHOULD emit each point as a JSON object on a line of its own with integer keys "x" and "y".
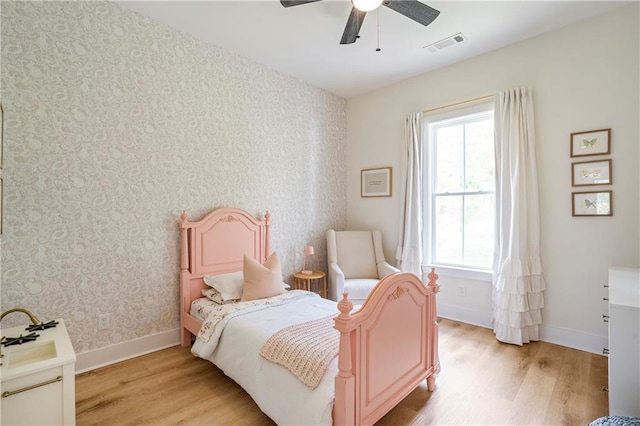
{"x": 304, "y": 349}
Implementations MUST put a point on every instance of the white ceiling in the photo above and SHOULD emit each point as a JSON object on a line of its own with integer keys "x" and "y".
{"x": 303, "y": 41}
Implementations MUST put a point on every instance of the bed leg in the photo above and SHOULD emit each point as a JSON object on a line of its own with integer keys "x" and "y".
{"x": 431, "y": 383}
{"x": 185, "y": 338}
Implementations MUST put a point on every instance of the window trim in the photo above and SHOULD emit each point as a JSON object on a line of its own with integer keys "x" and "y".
{"x": 464, "y": 273}
{"x": 457, "y": 271}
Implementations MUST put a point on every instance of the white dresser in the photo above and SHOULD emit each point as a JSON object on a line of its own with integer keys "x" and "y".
{"x": 38, "y": 379}
{"x": 624, "y": 342}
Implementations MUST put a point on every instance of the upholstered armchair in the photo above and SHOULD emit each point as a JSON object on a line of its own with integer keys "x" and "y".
{"x": 356, "y": 263}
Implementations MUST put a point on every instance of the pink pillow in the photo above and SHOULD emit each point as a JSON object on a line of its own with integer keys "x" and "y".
{"x": 262, "y": 281}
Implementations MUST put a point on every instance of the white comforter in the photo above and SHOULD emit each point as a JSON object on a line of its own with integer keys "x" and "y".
{"x": 278, "y": 393}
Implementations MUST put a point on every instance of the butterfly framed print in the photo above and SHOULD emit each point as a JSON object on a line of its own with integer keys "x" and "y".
{"x": 591, "y": 173}
{"x": 593, "y": 142}
{"x": 592, "y": 203}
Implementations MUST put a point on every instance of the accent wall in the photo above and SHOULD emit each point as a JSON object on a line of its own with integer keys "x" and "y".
{"x": 115, "y": 124}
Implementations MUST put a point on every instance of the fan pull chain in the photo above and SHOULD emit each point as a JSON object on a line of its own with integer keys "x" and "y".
{"x": 378, "y": 29}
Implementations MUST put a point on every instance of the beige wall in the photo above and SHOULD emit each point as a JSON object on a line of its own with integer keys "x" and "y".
{"x": 584, "y": 77}
{"x": 114, "y": 125}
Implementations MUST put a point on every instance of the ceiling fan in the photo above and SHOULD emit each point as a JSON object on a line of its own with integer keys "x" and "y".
{"x": 412, "y": 9}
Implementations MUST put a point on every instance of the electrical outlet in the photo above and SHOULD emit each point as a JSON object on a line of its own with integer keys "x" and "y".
{"x": 462, "y": 290}
{"x": 104, "y": 321}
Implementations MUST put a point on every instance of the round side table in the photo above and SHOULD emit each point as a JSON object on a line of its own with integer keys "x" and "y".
{"x": 307, "y": 282}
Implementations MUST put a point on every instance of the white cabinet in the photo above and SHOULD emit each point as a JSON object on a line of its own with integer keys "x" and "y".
{"x": 624, "y": 342}
{"x": 38, "y": 379}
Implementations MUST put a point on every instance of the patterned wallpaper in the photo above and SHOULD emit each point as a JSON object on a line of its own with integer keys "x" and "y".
{"x": 114, "y": 125}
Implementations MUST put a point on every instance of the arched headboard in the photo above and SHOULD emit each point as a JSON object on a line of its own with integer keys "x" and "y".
{"x": 216, "y": 245}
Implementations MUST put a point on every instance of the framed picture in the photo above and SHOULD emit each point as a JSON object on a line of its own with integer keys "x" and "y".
{"x": 593, "y": 142}
{"x": 375, "y": 182}
{"x": 591, "y": 173}
{"x": 592, "y": 203}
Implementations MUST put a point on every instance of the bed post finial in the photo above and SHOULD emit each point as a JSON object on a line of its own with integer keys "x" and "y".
{"x": 345, "y": 306}
{"x": 433, "y": 277}
{"x": 183, "y": 216}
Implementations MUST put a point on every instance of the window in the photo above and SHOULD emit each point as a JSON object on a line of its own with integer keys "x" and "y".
{"x": 460, "y": 188}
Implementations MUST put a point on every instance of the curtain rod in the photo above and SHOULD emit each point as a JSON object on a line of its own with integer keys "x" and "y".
{"x": 458, "y": 103}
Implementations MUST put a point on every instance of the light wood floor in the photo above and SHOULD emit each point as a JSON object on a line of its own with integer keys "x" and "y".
{"x": 482, "y": 382}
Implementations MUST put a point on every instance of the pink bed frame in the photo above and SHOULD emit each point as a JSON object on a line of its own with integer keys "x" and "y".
{"x": 387, "y": 348}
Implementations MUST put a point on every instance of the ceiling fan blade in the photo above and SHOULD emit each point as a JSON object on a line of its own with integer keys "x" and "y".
{"x": 413, "y": 9}
{"x": 289, "y": 3}
{"x": 352, "y": 29}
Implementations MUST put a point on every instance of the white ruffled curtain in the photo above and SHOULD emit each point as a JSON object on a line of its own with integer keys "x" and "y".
{"x": 409, "y": 251}
{"x": 517, "y": 270}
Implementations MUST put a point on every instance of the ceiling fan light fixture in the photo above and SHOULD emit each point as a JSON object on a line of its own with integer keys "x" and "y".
{"x": 366, "y": 5}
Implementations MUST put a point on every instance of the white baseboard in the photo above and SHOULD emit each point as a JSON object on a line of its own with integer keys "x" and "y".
{"x": 560, "y": 336}
{"x": 466, "y": 315}
{"x": 90, "y": 360}
{"x": 574, "y": 339}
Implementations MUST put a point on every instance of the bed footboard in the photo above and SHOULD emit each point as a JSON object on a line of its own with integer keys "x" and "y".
{"x": 387, "y": 348}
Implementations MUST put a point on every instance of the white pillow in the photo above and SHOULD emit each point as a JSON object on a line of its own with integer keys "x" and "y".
{"x": 228, "y": 285}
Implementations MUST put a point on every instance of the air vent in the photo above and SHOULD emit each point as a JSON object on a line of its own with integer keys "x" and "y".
{"x": 443, "y": 44}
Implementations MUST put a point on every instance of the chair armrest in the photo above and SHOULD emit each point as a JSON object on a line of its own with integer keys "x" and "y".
{"x": 384, "y": 269}
{"x": 336, "y": 282}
